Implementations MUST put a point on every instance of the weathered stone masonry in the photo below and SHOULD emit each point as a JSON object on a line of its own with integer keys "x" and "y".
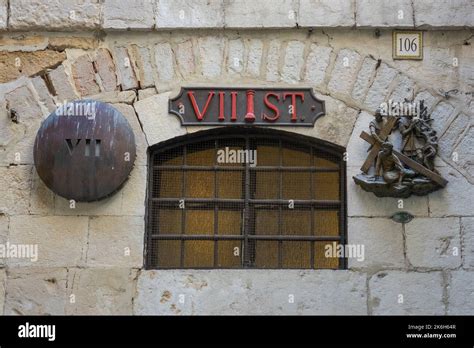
{"x": 83, "y": 49}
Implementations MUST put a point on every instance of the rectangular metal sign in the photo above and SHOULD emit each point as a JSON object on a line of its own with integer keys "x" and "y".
{"x": 247, "y": 106}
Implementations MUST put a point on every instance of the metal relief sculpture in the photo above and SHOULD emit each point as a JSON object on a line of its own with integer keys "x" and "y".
{"x": 390, "y": 173}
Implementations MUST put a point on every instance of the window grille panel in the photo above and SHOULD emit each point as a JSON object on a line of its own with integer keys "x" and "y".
{"x": 209, "y": 207}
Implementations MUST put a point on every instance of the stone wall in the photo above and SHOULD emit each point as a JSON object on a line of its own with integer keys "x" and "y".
{"x": 71, "y": 15}
{"x": 83, "y": 265}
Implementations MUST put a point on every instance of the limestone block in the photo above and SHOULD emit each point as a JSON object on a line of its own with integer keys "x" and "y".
{"x": 378, "y": 91}
{"x": 19, "y": 141}
{"x": 44, "y": 97}
{"x": 231, "y": 292}
{"x": 433, "y": 242}
{"x": 105, "y": 67}
{"x": 254, "y": 59}
{"x": 4, "y": 224}
{"x": 140, "y": 140}
{"x": 428, "y": 98}
{"x": 313, "y": 293}
{"x": 107, "y": 206}
{"x": 273, "y": 56}
{"x": 68, "y": 15}
{"x": 382, "y": 240}
{"x": 61, "y": 240}
{"x": 60, "y": 43}
{"x": 25, "y": 105}
{"x": 3, "y": 14}
{"x": 440, "y": 60}
{"x": 293, "y": 62}
{"x": 115, "y": 97}
{"x": 145, "y": 93}
{"x": 465, "y": 153}
{"x": 84, "y": 76}
{"x": 467, "y": 226}
{"x": 157, "y": 124}
{"x": 357, "y": 148}
{"x": 23, "y": 43}
{"x": 335, "y": 127}
{"x": 62, "y": 85}
{"x": 455, "y": 199}
{"x": 362, "y": 203}
{"x": 403, "y": 90}
{"x": 126, "y": 75}
{"x": 466, "y": 66}
{"x": 3, "y": 281}
{"x": 15, "y": 184}
{"x": 316, "y": 64}
{"x": 420, "y": 293}
{"x": 185, "y": 58}
{"x": 211, "y": 51}
{"x": 235, "y": 56}
{"x": 326, "y": 13}
{"x": 134, "y": 192}
{"x": 7, "y": 127}
{"x": 461, "y": 293}
{"x": 36, "y": 291}
{"x": 260, "y": 14}
{"x": 143, "y": 61}
{"x": 164, "y": 61}
{"x": 41, "y": 197}
{"x": 18, "y": 63}
{"x": 344, "y": 72}
{"x": 384, "y": 13}
{"x": 444, "y": 13}
{"x": 189, "y": 14}
{"x": 364, "y": 77}
{"x": 101, "y": 291}
{"x": 129, "y": 14}
{"x": 116, "y": 241}
{"x": 441, "y": 115}
{"x": 453, "y": 134}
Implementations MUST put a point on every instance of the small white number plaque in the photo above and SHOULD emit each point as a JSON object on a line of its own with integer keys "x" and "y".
{"x": 407, "y": 45}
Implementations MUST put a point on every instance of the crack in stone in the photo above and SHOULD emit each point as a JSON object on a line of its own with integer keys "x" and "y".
{"x": 446, "y": 278}
{"x": 8, "y": 14}
{"x": 354, "y": 2}
{"x": 141, "y": 124}
{"x": 461, "y": 242}
{"x": 408, "y": 265}
{"x": 134, "y": 287}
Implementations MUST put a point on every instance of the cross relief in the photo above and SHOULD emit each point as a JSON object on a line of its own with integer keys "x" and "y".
{"x": 409, "y": 170}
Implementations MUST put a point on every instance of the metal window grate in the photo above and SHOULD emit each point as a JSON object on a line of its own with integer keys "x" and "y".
{"x": 280, "y": 213}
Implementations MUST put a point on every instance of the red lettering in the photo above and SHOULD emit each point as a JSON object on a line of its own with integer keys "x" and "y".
{"x": 221, "y": 106}
{"x": 234, "y": 106}
{"x": 200, "y": 115}
{"x": 250, "y": 117}
{"x": 293, "y": 96}
{"x": 271, "y": 106}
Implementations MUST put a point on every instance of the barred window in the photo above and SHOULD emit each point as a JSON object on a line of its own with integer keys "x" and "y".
{"x": 210, "y": 206}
